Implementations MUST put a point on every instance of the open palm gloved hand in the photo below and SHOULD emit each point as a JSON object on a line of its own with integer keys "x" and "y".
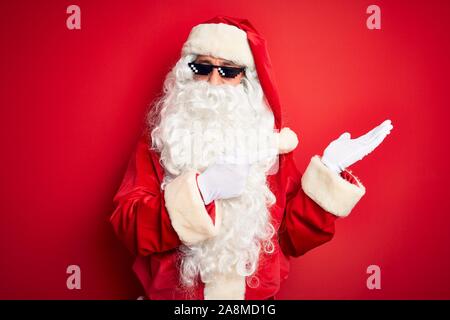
{"x": 344, "y": 151}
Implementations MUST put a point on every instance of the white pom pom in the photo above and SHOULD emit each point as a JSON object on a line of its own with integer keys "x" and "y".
{"x": 287, "y": 140}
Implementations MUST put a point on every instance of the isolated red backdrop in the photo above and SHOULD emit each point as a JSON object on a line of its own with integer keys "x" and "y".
{"x": 73, "y": 103}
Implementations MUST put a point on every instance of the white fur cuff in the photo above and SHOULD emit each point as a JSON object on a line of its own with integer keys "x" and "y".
{"x": 187, "y": 212}
{"x": 329, "y": 190}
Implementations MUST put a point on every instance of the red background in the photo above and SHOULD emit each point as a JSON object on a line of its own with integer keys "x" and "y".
{"x": 73, "y": 103}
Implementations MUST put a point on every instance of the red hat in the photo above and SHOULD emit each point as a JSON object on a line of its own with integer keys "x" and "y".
{"x": 236, "y": 40}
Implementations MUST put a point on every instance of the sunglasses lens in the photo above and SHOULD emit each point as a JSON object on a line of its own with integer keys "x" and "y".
{"x": 229, "y": 72}
{"x": 201, "y": 69}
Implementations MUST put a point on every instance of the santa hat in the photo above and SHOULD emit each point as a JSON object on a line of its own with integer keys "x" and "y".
{"x": 237, "y": 40}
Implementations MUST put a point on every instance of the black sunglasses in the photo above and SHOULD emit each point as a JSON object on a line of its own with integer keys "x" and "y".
{"x": 205, "y": 69}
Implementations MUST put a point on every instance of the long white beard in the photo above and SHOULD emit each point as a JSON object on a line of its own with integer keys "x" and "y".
{"x": 198, "y": 122}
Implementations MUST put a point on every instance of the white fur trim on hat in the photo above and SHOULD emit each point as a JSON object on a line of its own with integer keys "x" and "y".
{"x": 220, "y": 40}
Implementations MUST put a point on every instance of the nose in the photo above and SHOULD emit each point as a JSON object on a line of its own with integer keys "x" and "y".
{"x": 215, "y": 78}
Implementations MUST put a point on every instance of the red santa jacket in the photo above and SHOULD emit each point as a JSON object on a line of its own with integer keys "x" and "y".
{"x": 153, "y": 223}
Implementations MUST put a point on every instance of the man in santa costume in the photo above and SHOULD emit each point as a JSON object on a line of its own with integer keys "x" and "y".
{"x": 212, "y": 204}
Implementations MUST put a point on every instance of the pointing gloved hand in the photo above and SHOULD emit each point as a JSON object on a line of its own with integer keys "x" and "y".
{"x": 343, "y": 152}
{"x": 223, "y": 181}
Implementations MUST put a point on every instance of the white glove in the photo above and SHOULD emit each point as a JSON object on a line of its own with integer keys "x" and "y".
{"x": 343, "y": 152}
{"x": 223, "y": 181}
